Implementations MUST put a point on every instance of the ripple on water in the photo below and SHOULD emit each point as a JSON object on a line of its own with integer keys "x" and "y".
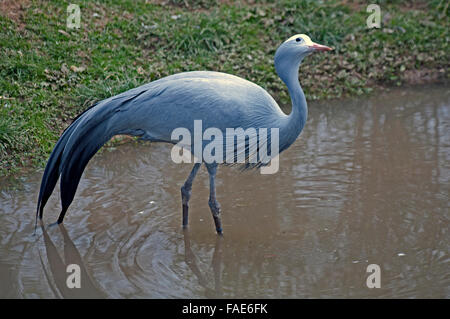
{"x": 367, "y": 182}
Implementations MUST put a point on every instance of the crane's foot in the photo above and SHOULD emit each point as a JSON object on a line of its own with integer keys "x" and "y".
{"x": 41, "y": 224}
{"x": 218, "y": 223}
{"x": 61, "y": 215}
{"x": 215, "y": 210}
{"x": 60, "y": 218}
{"x": 53, "y": 224}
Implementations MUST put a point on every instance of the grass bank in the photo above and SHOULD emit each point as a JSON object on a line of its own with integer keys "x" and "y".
{"x": 49, "y": 73}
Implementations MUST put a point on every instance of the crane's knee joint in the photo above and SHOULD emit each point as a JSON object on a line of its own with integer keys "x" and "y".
{"x": 215, "y": 207}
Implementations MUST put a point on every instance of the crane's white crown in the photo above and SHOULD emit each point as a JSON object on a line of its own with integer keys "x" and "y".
{"x": 305, "y": 38}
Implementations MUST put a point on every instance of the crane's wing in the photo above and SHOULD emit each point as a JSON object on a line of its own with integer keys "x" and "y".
{"x": 153, "y": 111}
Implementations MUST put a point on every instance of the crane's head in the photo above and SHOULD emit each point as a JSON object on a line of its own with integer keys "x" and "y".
{"x": 300, "y": 45}
{"x": 291, "y": 53}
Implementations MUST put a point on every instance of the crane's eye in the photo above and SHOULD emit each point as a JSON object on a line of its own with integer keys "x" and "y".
{"x": 299, "y": 39}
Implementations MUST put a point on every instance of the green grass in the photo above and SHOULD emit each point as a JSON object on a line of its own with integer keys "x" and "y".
{"x": 49, "y": 73}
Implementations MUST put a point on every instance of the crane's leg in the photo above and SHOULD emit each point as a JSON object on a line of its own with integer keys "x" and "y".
{"x": 213, "y": 203}
{"x": 186, "y": 193}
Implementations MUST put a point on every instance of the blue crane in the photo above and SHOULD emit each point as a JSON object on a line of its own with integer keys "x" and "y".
{"x": 154, "y": 110}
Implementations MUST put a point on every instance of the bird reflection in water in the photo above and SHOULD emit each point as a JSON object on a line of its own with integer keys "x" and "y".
{"x": 89, "y": 289}
{"x": 216, "y": 264}
{"x": 56, "y": 272}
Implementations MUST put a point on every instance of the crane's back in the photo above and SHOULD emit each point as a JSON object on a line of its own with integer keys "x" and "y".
{"x": 217, "y": 99}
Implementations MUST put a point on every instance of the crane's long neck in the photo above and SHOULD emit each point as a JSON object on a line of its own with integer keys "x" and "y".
{"x": 297, "y": 118}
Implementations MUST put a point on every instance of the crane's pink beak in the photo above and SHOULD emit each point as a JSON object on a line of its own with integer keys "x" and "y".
{"x": 320, "y": 47}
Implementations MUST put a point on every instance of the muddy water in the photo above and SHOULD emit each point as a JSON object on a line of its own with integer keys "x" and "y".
{"x": 367, "y": 183}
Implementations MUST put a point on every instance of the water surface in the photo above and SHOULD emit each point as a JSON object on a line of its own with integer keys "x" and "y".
{"x": 367, "y": 182}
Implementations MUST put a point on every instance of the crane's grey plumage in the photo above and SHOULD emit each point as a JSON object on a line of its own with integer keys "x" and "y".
{"x": 153, "y": 111}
